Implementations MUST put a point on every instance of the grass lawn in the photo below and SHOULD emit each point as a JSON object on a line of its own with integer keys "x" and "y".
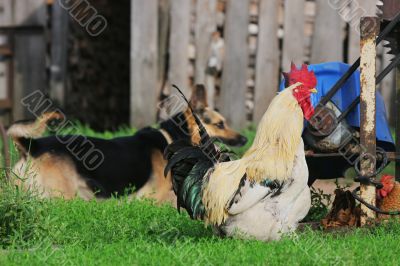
{"x": 118, "y": 232}
{"x": 123, "y": 232}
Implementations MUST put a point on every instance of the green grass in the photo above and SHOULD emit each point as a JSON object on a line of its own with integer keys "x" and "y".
{"x": 124, "y": 232}
{"x": 119, "y": 232}
{"x": 84, "y": 129}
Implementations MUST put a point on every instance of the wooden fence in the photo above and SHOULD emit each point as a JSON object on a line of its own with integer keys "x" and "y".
{"x": 261, "y": 38}
{"x": 23, "y": 37}
{"x": 252, "y": 41}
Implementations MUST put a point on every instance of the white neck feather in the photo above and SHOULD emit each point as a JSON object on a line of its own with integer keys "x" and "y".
{"x": 277, "y": 140}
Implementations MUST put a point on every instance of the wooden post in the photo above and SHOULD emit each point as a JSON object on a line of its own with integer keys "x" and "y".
{"x": 163, "y": 33}
{"x": 59, "y": 50}
{"x": 293, "y": 44}
{"x": 369, "y": 31}
{"x": 236, "y": 59}
{"x": 267, "y": 64}
{"x": 323, "y": 48}
{"x": 6, "y": 13}
{"x": 179, "y": 45}
{"x": 205, "y": 25}
{"x": 29, "y": 52}
{"x": 30, "y": 13}
{"x": 6, "y": 65}
{"x": 144, "y": 43}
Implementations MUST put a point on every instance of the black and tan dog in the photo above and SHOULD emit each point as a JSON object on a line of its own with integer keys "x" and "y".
{"x": 73, "y": 165}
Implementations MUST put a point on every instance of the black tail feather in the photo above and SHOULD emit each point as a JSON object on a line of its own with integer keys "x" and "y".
{"x": 189, "y": 165}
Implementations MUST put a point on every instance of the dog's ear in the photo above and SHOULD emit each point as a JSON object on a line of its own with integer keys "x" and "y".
{"x": 199, "y": 98}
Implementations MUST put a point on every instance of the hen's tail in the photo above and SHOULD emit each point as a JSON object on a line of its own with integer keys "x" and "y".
{"x": 22, "y": 131}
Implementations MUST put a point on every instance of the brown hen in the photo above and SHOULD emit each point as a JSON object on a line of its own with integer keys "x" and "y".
{"x": 388, "y": 197}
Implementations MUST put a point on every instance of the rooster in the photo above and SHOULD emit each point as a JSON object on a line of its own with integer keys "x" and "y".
{"x": 388, "y": 197}
{"x": 265, "y": 193}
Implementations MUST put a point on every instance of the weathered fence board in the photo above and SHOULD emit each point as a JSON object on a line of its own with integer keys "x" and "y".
{"x": 3, "y": 80}
{"x": 59, "y": 49}
{"x": 6, "y": 13}
{"x": 30, "y": 13}
{"x": 143, "y": 96}
{"x": 235, "y": 63}
{"x": 29, "y": 52}
{"x": 163, "y": 32}
{"x": 293, "y": 43}
{"x": 320, "y": 21}
{"x": 178, "y": 45}
{"x": 267, "y": 62}
{"x": 29, "y": 68}
{"x": 329, "y": 29}
{"x": 205, "y": 26}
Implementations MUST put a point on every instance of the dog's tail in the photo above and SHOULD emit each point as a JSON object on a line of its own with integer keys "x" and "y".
{"x": 22, "y": 131}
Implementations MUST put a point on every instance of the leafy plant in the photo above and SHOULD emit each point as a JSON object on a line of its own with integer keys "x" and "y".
{"x": 320, "y": 203}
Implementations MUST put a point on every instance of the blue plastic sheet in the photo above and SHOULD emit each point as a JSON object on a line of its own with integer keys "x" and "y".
{"x": 327, "y": 75}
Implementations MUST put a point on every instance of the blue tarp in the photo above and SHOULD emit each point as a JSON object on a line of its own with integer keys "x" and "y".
{"x": 327, "y": 75}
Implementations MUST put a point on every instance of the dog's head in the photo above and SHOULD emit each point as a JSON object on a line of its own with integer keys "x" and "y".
{"x": 213, "y": 121}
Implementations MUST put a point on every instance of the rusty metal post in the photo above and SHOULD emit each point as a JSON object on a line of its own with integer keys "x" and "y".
{"x": 369, "y": 31}
{"x": 397, "y": 132}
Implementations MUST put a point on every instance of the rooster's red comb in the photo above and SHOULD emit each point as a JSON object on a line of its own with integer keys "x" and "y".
{"x": 303, "y": 75}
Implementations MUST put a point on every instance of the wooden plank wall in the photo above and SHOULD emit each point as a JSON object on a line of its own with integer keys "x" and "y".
{"x": 6, "y": 13}
{"x": 179, "y": 45}
{"x": 234, "y": 77}
{"x": 29, "y": 47}
{"x": 293, "y": 41}
{"x": 29, "y": 69}
{"x": 59, "y": 53}
{"x": 325, "y": 18}
{"x": 6, "y": 19}
{"x": 30, "y": 13}
{"x": 267, "y": 60}
{"x": 205, "y": 25}
{"x": 300, "y": 31}
{"x": 163, "y": 38}
{"x": 261, "y": 38}
{"x": 144, "y": 62}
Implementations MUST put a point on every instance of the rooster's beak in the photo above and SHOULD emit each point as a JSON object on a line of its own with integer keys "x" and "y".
{"x": 314, "y": 90}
